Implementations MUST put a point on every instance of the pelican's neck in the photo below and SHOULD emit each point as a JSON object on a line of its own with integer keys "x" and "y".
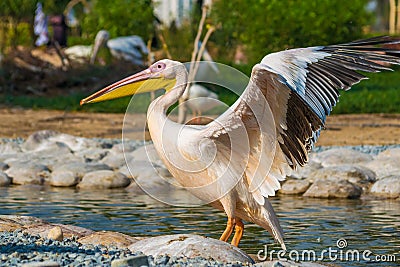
{"x": 157, "y": 119}
{"x": 157, "y": 112}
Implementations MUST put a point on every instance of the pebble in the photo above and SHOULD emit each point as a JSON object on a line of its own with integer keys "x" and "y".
{"x": 56, "y": 234}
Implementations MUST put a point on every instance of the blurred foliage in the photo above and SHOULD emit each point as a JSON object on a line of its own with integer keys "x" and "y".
{"x": 263, "y": 26}
{"x": 120, "y": 18}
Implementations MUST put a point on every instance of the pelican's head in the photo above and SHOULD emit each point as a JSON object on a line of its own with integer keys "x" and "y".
{"x": 160, "y": 75}
{"x": 99, "y": 41}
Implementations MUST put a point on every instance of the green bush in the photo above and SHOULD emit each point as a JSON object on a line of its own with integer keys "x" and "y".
{"x": 263, "y": 26}
{"x": 120, "y": 18}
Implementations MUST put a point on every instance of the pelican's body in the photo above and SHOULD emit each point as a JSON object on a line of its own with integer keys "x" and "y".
{"x": 129, "y": 48}
{"x": 237, "y": 161}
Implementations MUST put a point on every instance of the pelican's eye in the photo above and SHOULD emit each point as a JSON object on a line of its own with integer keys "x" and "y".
{"x": 158, "y": 67}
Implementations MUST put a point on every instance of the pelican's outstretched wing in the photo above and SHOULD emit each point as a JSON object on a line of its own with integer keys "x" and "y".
{"x": 301, "y": 86}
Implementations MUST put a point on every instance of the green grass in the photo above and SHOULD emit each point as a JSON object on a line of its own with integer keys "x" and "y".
{"x": 379, "y": 94}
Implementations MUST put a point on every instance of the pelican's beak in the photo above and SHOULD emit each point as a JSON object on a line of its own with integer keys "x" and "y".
{"x": 141, "y": 82}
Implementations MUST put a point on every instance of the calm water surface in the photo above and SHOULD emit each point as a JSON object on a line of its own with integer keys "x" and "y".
{"x": 309, "y": 224}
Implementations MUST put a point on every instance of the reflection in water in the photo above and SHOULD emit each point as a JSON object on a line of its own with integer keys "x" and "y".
{"x": 308, "y": 223}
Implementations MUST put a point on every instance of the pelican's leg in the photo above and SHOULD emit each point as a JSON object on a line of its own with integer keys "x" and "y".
{"x": 228, "y": 230}
{"x": 239, "y": 229}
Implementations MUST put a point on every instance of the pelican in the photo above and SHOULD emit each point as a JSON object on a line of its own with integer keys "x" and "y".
{"x": 238, "y": 160}
{"x": 129, "y": 48}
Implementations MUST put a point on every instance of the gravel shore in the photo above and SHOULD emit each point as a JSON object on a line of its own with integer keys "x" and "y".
{"x": 20, "y": 248}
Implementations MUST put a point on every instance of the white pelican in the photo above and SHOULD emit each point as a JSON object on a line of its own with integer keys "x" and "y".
{"x": 249, "y": 154}
{"x": 129, "y": 48}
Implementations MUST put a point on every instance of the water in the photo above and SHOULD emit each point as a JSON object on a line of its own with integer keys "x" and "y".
{"x": 309, "y": 224}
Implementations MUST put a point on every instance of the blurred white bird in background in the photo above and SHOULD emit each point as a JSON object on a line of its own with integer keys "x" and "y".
{"x": 129, "y": 48}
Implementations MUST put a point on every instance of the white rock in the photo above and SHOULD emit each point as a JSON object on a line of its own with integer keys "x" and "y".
{"x": 92, "y": 154}
{"x": 294, "y": 187}
{"x": 304, "y": 172}
{"x": 75, "y": 143}
{"x": 10, "y": 148}
{"x": 114, "y": 161}
{"x": 64, "y": 178}
{"x": 383, "y": 166}
{"x": 28, "y": 173}
{"x": 146, "y": 153}
{"x": 388, "y": 187}
{"x": 4, "y": 179}
{"x": 79, "y": 169}
{"x": 340, "y": 156}
{"x": 359, "y": 175}
{"x": 333, "y": 188}
{"x": 104, "y": 179}
{"x": 390, "y": 153}
{"x": 191, "y": 246}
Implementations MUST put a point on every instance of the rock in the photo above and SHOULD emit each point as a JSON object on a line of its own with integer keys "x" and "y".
{"x": 80, "y": 168}
{"x": 10, "y": 148}
{"x": 359, "y": 175}
{"x": 294, "y": 187}
{"x": 383, "y": 166}
{"x": 340, "y": 156}
{"x": 48, "y": 263}
{"x": 114, "y": 161}
{"x": 135, "y": 261}
{"x": 92, "y": 154}
{"x": 55, "y": 233}
{"x": 27, "y": 173}
{"x": 388, "y": 187}
{"x": 304, "y": 172}
{"x": 104, "y": 179}
{"x": 75, "y": 143}
{"x": 124, "y": 147}
{"x": 36, "y": 226}
{"x": 11, "y": 223}
{"x": 147, "y": 177}
{"x": 64, "y": 178}
{"x": 4, "y": 179}
{"x": 43, "y": 138}
{"x": 68, "y": 230}
{"x": 389, "y": 153}
{"x": 36, "y": 140}
{"x": 191, "y": 246}
{"x": 333, "y": 188}
{"x": 146, "y": 153}
{"x": 287, "y": 263}
{"x": 3, "y": 166}
{"x": 107, "y": 238}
